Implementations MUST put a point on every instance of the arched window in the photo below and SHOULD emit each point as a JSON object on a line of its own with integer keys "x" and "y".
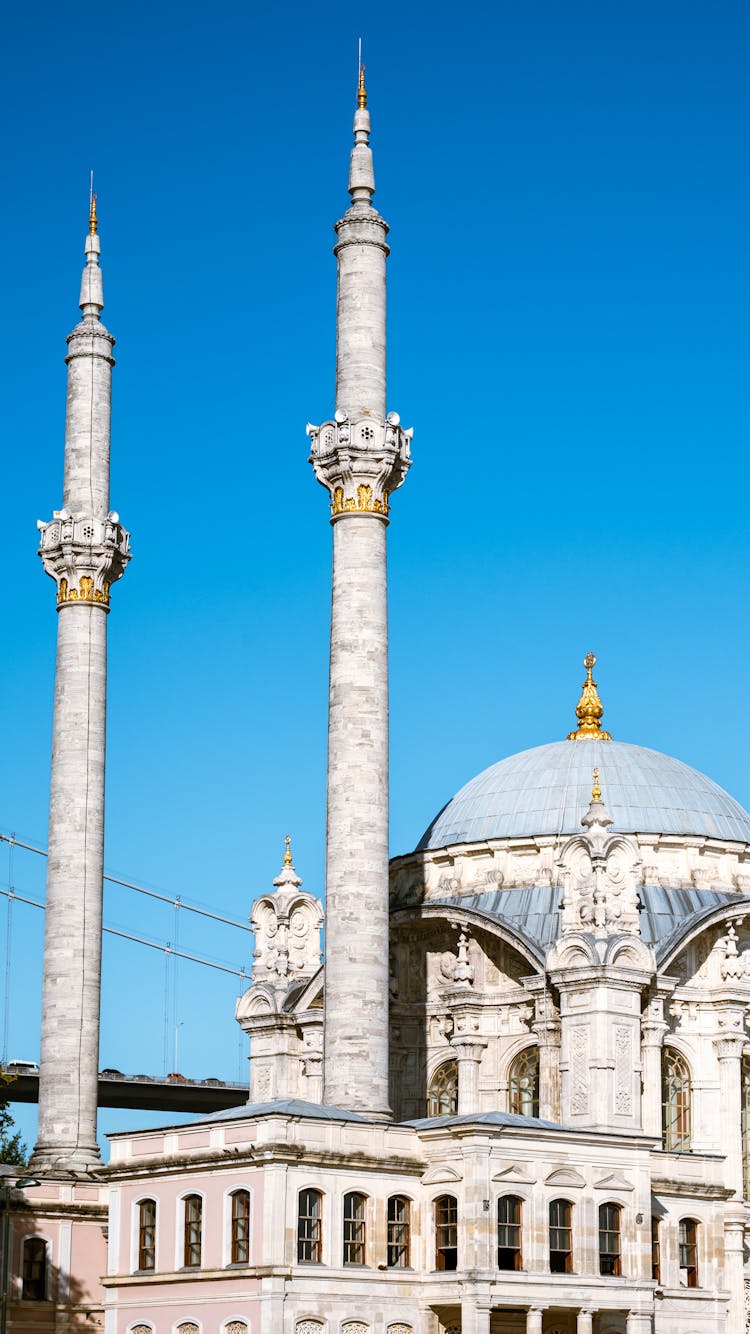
{"x": 355, "y": 1206}
{"x": 235, "y": 1327}
{"x": 688, "y": 1253}
{"x": 34, "y": 1269}
{"x": 610, "y": 1262}
{"x": 675, "y": 1099}
{"x": 310, "y": 1227}
{"x": 147, "y": 1234}
{"x": 239, "y": 1222}
{"x": 442, "y": 1098}
{"x": 560, "y": 1237}
{"x": 446, "y": 1232}
{"x": 399, "y": 1232}
{"x": 655, "y": 1249}
{"x": 745, "y": 1121}
{"x": 192, "y": 1231}
{"x": 509, "y": 1232}
{"x": 523, "y": 1083}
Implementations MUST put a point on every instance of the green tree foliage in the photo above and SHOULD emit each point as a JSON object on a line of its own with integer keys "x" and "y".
{"x": 12, "y": 1150}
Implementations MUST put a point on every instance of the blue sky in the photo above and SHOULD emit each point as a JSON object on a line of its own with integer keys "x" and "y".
{"x": 567, "y": 189}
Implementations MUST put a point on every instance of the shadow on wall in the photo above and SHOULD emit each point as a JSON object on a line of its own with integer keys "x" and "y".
{"x": 40, "y": 1295}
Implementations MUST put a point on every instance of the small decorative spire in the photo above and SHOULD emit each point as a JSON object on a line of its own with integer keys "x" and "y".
{"x": 288, "y": 853}
{"x": 589, "y": 709}
{"x": 596, "y": 792}
{"x": 93, "y": 223}
{"x": 361, "y": 91}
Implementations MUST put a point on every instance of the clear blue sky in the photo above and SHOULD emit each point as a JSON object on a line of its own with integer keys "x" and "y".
{"x": 567, "y": 188}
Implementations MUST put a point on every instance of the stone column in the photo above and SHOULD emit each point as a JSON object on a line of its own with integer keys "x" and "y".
{"x": 548, "y": 1036}
{"x": 653, "y": 1028}
{"x": 534, "y": 1319}
{"x": 85, "y": 550}
{"x": 729, "y": 1052}
{"x": 585, "y": 1322}
{"x": 361, "y": 458}
{"x": 734, "y": 1230}
{"x": 474, "y": 1319}
{"x": 637, "y": 1323}
{"x": 468, "y": 1057}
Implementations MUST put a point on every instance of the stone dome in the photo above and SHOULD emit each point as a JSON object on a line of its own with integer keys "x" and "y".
{"x": 546, "y": 790}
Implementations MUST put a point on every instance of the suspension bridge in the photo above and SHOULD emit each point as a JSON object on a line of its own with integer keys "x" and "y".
{"x": 168, "y": 1090}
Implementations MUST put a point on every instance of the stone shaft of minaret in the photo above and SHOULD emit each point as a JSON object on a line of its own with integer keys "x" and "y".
{"x": 360, "y": 457}
{"x": 85, "y": 550}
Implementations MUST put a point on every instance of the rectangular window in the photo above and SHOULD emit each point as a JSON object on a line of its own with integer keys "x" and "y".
{"x": 399, "y": 1229}
{"x": 147, "y": 1234}
{"x": 509, "y": 1232}
{"x": 309, "y": 1228}
{"x": 610, "y": 1263}
{"x": 240, "y": 1249}
{"x": 446, "y": 1232}
{"x": 655, "y": 1251}
{"x": 193, "y": 1231}
{"x": 688, "y": 1253}
{"x": 354, "y": 1228}
{"x": 34, "y": 1272}
{"x": 560, "y": 1237}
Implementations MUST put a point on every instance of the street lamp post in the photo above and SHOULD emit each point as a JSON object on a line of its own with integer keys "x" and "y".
{"x": 5, "y": 1191}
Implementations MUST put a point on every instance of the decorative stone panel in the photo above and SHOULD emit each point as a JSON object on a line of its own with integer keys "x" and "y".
{"x": 309, "y": 1327}
{"x": 188, "y": 1327}
{"x": 235, "y": 1327}
{"x": 355, "y": 1327}
{"x": 400, "y": 1329}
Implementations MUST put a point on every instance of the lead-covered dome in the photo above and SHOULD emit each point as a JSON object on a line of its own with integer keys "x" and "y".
{"x": 547, "y": 789}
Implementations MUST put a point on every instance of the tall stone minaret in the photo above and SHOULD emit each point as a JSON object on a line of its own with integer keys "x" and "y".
{"x": 85, "y": 550}
{"x": 361, "y": 458}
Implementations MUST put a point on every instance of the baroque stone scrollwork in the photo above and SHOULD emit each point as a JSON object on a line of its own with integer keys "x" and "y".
{"x": 309, "y": 1327}
{"x": 600, "y": 873}
{"x": 735, "y": 966}
{"x": 361, "y": 462}
{"x": 84, "y": 556}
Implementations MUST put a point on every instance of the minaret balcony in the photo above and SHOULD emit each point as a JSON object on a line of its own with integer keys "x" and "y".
{"x": 84, "y": 555}
{"x": 360, "y": 461}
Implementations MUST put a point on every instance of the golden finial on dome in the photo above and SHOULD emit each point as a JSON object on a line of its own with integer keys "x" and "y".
{"x": 589, "y": 709}
{"x": 361, "y": 91}
{"x": 288, "y": 853}
{"x": 596, "y": 792}
{"x": 92, "y": 208}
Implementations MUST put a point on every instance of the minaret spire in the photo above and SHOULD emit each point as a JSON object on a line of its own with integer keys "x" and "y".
{"x": 361, "y": 458}
{"x": 85, "y": 549}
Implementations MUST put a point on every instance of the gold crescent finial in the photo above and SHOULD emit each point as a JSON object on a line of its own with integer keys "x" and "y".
{"x": 93, "y": 222}
{"x": 596, "y": 792}
{"x": 361, "y": 91}
{"x": 288, "y": 853}
{"x": 589, "y": 709}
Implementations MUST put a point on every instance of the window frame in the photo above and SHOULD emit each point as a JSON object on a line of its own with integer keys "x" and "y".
{"x": 395, "y": 1244}
{"x": 446, "y": 1232}
{"x": 354, "y": 1229}
{"x": 443, "y": 1073}
{"x": 45, "y": 1273}
{"x": 687, "y": 1248}
{"x": 187, "y": 1222}
{"x": 557, "y": 1228}
{"x": 610, "y": 1232}
{"x": 656, "y": 1248}
{"x": 315, "y": 1238}
{"x": 524, "y": 1102}
{"x": 676, "y": 1102}
{"x": 512, "y": 1226}
{"x": 140, "y": 1228}
{"x": 233, "y": 1241}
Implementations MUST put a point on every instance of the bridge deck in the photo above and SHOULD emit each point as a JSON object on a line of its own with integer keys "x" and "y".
{"x": 157, "y": 1095}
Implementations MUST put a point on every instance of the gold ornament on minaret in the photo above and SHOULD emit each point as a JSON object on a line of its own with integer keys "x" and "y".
{"x": 589, "y": 709}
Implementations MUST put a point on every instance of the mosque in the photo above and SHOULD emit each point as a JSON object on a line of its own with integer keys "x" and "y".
{"x": 516, "y": 1097}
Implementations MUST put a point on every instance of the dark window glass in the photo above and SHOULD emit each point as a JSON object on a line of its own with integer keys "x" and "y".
{"x": 399, "y": 1232}
{"x": 745, "y": 1120}
{"x": 560, "y": 1237}
{"x": 523, "y": 1083}
{"x": 193, "y": 1231}
{"x": 609, "y": 1240}
{"x": 442, "y": 1098}
{"x": 240, "y": 1248}
{"x": 688, "y": 1251}
{"x": 509, "y": 1232}
{"x": 147, "y": 1234}
{"x": 354, "y": 1228}
{"x": 34, "y": 1272}
{"x": 309, "y": 1227}
{"x": 675, "y": 1078}
{"x": 446, "y": 1232}
{"x": 655, "y": 1251}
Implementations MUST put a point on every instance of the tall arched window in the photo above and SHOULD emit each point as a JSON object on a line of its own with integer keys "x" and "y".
{"x": 399, "y": 1232}
{"x": 355, "y": 1206}
{"x": 239, "y": 1248}
{"x": 560, "y": 1237}
{"x": 675, "y": 1099}
{"x": 310, "y": 1227}
{"x": 688, "y": 1252}
{"x": 523, "y": 1083}
{"x": 192, "y": 1232}
{"x": 147, "y": 1234}
{"x": 745, "y": 1121}
{"x": 655, "y": 1249}
{"x": 442, "y": 1098}
{"x": 610, "y": 1261}
{"x": 34, "y": 1269}
{"x": 446, "y": 1232}
{"x": 509, "y": 1232}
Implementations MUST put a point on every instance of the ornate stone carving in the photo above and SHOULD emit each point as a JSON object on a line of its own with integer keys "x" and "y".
{"x": 400, "y": 1328}
{"x": 236, "y": 1327}
{"x": 463, "y": 971}
{"x": 84, "y": 556}
{"x": 735, "y": 966}
{"x": 360, "y": 462}
{"x": 141, "y": 1329}
{"x": 287, "y": 930}
{"x": 579, "y": 1070}
{"x": 623, "y": 1070}
{"x": 309, "y": 1327}
{"x": 600, "y": 874}
{"x": 188, "y": 1327}
{"x": 355, "y": 1327}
